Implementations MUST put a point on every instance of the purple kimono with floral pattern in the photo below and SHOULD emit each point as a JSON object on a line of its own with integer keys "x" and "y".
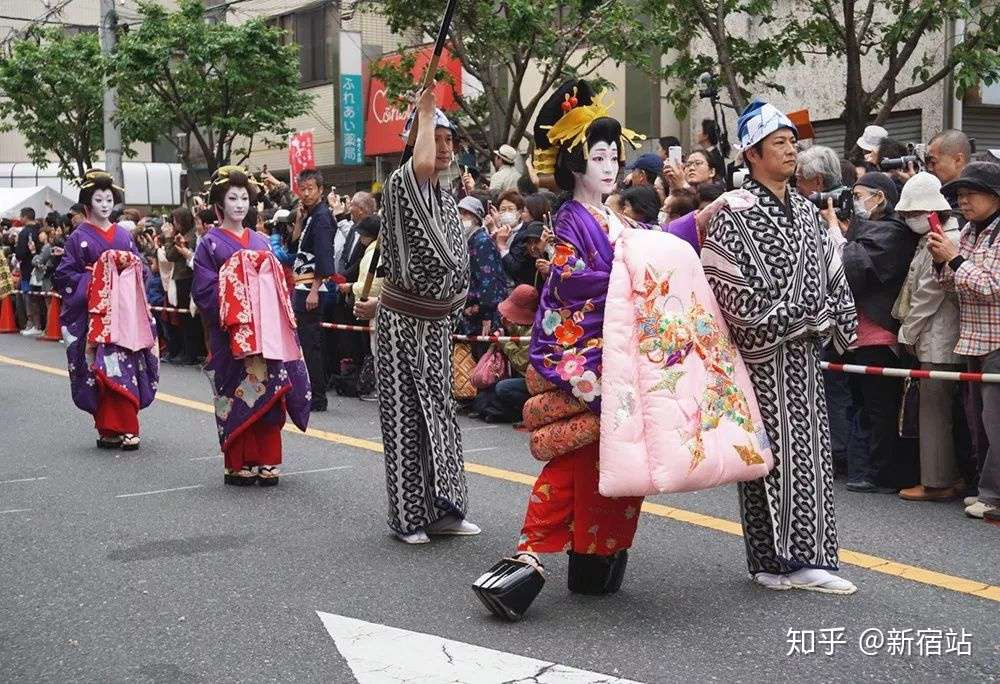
{"x": 567, "y": 338}
{"x": 134, "y": 372}
{"x": 249, "y": 389}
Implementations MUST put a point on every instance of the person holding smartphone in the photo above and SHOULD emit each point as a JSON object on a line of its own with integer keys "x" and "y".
{"x": 928, "y": 317}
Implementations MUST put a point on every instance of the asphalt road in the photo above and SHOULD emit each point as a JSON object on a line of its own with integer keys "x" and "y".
{"x": 207, "y": 583}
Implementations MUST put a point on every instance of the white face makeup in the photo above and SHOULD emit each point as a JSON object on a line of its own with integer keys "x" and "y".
{"x": 236, "y": 204}
{"x": 101, "y": 204}
{"x": 602, "y": 170}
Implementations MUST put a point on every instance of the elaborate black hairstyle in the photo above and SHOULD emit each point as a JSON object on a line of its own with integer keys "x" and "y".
{"x": 226, "y": 177}
{"x": 569, "y": 155}
{"x": 97, "y": 179}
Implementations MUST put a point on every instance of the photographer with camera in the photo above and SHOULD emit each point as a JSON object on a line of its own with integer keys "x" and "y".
{"x": 898, "y": 160}
{"x": 877, "y": 257}
{"x": 819, "y": 178}
{"x": 179, "y": 243}
{"x": 948, "y": 153}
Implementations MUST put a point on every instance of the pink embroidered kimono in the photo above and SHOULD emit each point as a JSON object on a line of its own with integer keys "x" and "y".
{"x": 679, "y": 411}
{"x": 255, "y": 309}
{"x": 116, "y": 303}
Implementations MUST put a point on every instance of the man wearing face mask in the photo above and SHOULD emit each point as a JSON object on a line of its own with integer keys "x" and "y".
{"x": 508, "y": 221}
{"x": 929, "y": 327}
{"x": 877, "y": 255}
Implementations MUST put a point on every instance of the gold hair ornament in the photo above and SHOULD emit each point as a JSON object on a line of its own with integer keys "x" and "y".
{"x": 571, "y": 130}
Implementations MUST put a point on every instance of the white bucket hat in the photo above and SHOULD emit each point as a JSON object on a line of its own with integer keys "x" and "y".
{"x": 922, "y": 193}
{"x": 870, "y": 139}
{"x": 507, "y": 153}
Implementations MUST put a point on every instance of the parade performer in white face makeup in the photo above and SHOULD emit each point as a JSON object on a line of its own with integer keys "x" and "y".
{"x": 781, "y": 287}
{"x": 255, "y": 363}
{"x": 109, "y": 333}
{"x": 578, "y": 142}
{"x": 426, "y": 262}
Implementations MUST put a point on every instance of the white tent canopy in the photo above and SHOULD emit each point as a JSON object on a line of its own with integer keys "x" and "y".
{"x": 12, "y": 200}
{"x": 146, "y": 183}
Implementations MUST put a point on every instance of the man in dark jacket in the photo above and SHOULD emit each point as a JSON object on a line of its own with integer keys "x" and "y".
{"x": 24, "y": 251}
{"x": 876, "y": 257}
{"x": 527, "y": 247}
{"x": 314, "y": 264}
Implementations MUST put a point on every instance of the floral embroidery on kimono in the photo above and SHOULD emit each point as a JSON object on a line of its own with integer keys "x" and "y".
{"x": 241, "y": 297}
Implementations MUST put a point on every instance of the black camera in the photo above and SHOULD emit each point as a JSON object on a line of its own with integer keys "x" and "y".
{"x": 899, "y": 163}
{"x": 709, "y": 86}
{"x": 843, "y": 201}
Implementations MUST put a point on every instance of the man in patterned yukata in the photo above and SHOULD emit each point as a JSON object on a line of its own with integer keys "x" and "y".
{"x": 426, "y": 263}
{"x": 781, "y": 287}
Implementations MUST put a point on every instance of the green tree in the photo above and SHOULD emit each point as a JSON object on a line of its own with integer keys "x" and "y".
{"x": 742, "y": 60}
{"x": 890, "y": 49}
{"x": 218, "y": 85}
{"x": 51, "y": 91}
{"x": 907, "y": 38}
{"x": 500, "y": 44}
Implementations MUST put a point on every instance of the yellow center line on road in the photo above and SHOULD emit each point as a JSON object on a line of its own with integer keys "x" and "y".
{"x": 863, "y": 560}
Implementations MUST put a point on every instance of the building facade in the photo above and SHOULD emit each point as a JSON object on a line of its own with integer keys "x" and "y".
{"x": 317, "y": 26}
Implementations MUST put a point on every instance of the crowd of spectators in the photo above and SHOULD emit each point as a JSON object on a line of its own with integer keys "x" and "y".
{"x": 916, "y": 232}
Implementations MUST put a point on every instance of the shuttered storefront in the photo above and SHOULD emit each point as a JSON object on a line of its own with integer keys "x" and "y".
{"x": 982, "y": 122}
{"x": 905, "y": 127}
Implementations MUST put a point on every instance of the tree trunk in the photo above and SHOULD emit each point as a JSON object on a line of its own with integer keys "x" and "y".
{"x": 730, "y": 78}
{"x": 856, "y": 108}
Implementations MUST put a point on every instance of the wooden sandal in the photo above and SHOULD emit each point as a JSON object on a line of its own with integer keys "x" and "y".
{"x": 130, "y": 442}
{"x": 110, "y": 442}
{"x": 531, "y": 559}
{"x": 244, "y": 477}
{"x": 267, "y": 476}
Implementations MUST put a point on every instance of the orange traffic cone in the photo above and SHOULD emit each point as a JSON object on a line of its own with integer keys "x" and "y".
{"x": 53, "y": 331}
{"x": 8, "y": 322}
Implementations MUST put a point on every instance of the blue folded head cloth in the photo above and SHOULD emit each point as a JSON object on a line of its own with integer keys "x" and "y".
{"x": 440, "y": 121}
{"x": 760, "y": 120}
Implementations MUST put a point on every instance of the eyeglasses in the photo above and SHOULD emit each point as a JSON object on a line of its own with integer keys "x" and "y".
{"x": 694, "y": 163}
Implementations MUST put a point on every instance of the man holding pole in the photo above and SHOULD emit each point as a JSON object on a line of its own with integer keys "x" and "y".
{"x": 426, "y": 264}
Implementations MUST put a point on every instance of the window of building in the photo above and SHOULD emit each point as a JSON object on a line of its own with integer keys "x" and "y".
{"x": 307, "y": 29}
{"x": 310, "y": 34}
{"x": 903, "y": 126}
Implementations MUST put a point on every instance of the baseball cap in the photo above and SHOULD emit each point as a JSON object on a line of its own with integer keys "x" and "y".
{"x": 647, "y": 162}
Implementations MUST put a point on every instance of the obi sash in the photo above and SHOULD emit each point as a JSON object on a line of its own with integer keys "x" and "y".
{"x": 402, "y": 301}
{"x": 255, "y": 309}
{"x": 116, "y": 303}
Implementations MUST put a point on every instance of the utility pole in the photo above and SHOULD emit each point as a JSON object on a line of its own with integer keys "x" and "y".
{"x": 112, "y": 134}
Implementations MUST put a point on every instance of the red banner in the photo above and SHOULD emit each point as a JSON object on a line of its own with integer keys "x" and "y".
{"x": 301, "y": 155}
{"x": 384, "y": 124}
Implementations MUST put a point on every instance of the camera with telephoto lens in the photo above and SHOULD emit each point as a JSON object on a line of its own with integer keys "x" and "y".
{"x": 899, "y": 163}
{"x": 914, "y": 155}
{"x": 843, "y": 201}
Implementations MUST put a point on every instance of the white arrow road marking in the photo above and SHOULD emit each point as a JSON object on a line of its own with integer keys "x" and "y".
{"x": 378, "y": 654}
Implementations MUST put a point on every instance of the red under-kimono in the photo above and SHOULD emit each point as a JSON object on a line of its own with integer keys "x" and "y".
{"x": 118, "y": 314}
{"x": 255, "y": 311}
{"x": 567, "y": 513}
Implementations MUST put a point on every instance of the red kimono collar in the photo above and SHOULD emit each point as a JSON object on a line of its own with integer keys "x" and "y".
{"x": 243, "y": 240}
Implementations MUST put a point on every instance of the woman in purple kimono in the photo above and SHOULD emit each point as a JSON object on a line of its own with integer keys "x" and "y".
{"x": 110, "y": 381}
{"x": 252, "y": 393}
{"x": 577, "y": 141}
